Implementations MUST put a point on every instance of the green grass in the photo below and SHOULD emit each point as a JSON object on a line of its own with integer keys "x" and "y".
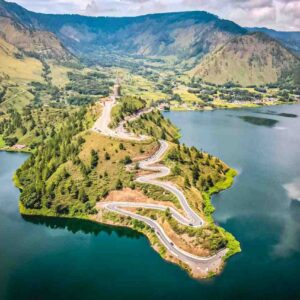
{"x": 225, "y": 184}
{"x": 2, "y": 143}
{"x": 127, "y": 106}
{"x": 158, "y": 193}
{"x": 233, "y": 245}
{"x": 156, "y": 125}
{"x": 218, "y": 187}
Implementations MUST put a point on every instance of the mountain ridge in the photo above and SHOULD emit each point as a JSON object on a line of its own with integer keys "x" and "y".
{"x": 193, "y": 38}
{"x": 138, "y": 35}
{"x": 290, "y": 39}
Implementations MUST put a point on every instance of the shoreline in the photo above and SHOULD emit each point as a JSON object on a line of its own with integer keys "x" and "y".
{"x": 248, "y": 106}
{"x": 199, "y": 270}
{"x": 233, "y": 244}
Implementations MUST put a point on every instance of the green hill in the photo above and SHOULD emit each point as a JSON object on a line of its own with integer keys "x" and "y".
{"x": 251, "y": 59}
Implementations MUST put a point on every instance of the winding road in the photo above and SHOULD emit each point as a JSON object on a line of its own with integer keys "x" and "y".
{"x": 190, "y": 217}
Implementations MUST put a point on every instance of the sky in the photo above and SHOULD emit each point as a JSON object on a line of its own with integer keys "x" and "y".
{"x": 276, "y": 14}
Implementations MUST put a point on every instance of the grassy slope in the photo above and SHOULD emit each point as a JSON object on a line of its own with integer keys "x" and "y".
{"x": 22, "y": 69}
{"x": 133, "y": 85}
{"x": 17, "y": 72}
{"x": 44, "y": 120}
{"x": 247, "y": 60}
{"x": 2, "y": 143}
{"x": 59, "y": 74}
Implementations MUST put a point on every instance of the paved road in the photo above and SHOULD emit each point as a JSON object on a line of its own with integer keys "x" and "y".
{"x": 162, "y": 171}
{"x": 102, "y": 124}
{"x": 151, "y": 164}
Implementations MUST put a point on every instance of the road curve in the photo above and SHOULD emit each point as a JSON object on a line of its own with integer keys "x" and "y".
{"x": 102, "y": 124}
{"x": 151, "y": 164}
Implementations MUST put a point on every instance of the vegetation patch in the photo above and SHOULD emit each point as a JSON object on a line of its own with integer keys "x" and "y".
{"x": 127, "y": 106}
{"x": 2, "y": 142}
{"x": 156, "y": 125}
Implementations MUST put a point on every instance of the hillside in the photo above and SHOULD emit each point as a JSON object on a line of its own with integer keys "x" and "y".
{"x": 155, "y": 47}
{"x": 251, "y": 59}
{"x": 185, "y": 34}
{"x": 16, "y": 66}
{"x": 37, "y": 43}
{"x": 290, "y": 39}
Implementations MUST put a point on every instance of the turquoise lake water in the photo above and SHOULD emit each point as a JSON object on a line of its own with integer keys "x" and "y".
{"x": 44, "y": 258}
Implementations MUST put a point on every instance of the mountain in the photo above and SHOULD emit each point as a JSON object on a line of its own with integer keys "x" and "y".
{"x": 221, "y": 50}
{"x": 251, "y": 59}
{"x": 184, "y": 34}
{"x": 290, "y": 39}
{"x": 15, "y": 30}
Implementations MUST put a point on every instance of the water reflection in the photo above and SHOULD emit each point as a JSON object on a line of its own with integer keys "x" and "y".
{"x": 259, "y": 121}
{"x": 293, "y": 189}
{"x": 274, "y": 113}
{"x": 84, "y": 226}
{"x": 290, "y": 237}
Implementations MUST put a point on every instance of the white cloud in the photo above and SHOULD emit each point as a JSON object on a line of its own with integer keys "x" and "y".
{"x": 277, "y": 14}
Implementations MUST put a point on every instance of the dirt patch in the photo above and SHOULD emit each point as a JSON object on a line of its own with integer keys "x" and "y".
{"x": 136, "y": 196}
{"x": 147, "y": 154}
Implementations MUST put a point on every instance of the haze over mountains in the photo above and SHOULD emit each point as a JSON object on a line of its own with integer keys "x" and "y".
{"x": 220, "y": 50}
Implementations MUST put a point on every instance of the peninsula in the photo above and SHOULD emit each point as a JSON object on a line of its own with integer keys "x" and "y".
{"x": 149, "y": 183}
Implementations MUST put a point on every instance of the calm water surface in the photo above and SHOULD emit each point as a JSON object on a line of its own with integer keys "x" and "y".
{"x": 58, "y": 259}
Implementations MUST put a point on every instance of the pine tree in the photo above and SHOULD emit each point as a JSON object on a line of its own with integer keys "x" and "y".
{"x": 187, "y": 183}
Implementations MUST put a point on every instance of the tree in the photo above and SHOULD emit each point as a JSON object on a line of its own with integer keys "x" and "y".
{"x": 94, "y": 159}
{"x": 121, "y": 146}
{"x": 127, "y": 160}
{"x": 168, "y": 213}
{"x": 187, "y": 183}
{"x": 163, "y": 135}
{"x": 62, "y": 208}
{"x": 196, "y": 173}
{"x": 83, "y": 197}
{"x": 210, "y": 181}
{"x": 106, "y": 156}
{"x": 199, "y": 155}
{"x": 176, "y": 170}
{"x": 119, "y": 184}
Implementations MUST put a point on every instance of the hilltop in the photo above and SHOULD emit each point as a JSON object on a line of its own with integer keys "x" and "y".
{"x": 252, "y": 59}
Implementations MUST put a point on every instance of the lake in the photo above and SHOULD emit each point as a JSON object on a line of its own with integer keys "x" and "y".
{"x": 43, "y": 258}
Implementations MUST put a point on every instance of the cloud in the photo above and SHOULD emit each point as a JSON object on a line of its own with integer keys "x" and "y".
{"x": 277, "y": 14}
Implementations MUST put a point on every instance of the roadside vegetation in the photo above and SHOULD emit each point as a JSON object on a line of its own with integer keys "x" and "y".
{"x": 199, "y": 175}
{"x": 156, "y": 125}
{"x": 127, "y": 106}
{"x": 72, "y": 168}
